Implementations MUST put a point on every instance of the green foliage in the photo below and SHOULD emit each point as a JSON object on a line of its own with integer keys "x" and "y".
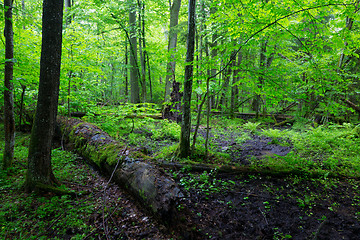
{"x": 24, "y": 216}
{"x": 332, "y": 148}
{"x": 251, "y": 126}
{"x": 167, "y": 130}
{"x": 277, "y": 136}
{"x": 205, "y": 183}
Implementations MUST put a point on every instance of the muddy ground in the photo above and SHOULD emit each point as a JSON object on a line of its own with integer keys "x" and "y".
{"x": 230, "y": 206}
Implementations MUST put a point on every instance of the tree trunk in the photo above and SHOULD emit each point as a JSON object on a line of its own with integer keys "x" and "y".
{"x": 141, "y": 6}
{"x": 170, "y": 71}
{"x": 126, "y": 72}
{"x": 134, "y": 81}
{"x": 234, "y": 87}
{"x": 223, "y": 98}
{"x": 9, "y": 119}
{"x": 184, "y": 147}
{"x": 67, "y": 10}
{"x": 39, "y": 159}
{"x": 23, "y": 87}
{"x": 154, "y": 189}
{"x": 262, "y": 67}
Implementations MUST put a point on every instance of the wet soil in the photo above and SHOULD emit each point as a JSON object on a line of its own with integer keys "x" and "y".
{"x": 270, "y": 208}
{"x": 258, "y": 207}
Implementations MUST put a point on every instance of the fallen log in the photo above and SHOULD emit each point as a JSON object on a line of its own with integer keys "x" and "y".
{"x": 153, "y": 188}
{"x": 249, "y": 170}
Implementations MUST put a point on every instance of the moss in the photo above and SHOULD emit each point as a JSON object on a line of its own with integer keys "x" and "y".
{"x": 111, "y": 153}
{"x": 91, "y": 153}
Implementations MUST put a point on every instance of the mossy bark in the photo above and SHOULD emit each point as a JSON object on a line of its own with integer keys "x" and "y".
{"x": 153, "y": 188}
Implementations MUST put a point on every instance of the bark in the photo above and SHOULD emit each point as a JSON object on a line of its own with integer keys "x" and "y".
{"x": 39, "y": 159}
{"x": 149, "y": 74}
{"x": 134, "y": 81}
{"x": 126, "y": 72}
{"x": 9, "y": 119}
{"x": 227, "y": 76}
{"x": 172, "y": 111}
{"x": 234, "y": 87}
{"x": 21, "y": 104}
{"x": 174, "y": 20}
{"x": 141, "y": 6}
{"x": 184, "y": 147}
{"x": 214, "y": 53}
{"x": 262, "y": 67}
{"x": 153, "y": 188}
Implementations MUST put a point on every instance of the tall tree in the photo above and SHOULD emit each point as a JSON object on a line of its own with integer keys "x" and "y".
{"x": 39, "y": 173}
{"x": 184, "y": 147}
{"x": 134, "y": 71}
{"x": 141, "y": 22}
{"x": 170, "y": 71}
{"x": 9, "y": 120}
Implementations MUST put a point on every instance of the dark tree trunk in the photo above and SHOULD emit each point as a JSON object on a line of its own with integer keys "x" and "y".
{"x": 40, "y": 172}
{"x": 141, "y": 6}
{"x": 262, "y": 67}
{"x": 21, "y": 105}
{"x": 134, "y": 71}
{"x": 184, "y": 147}
{"x": 170, "y": 71}
{"x": 9, "y": 120}
{"x": 234, "y": 88}
{"x": 126, "y": 71}
{"x": 172, "y": 111}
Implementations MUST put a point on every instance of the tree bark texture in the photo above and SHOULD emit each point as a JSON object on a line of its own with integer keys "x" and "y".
{"x": 172, "y": 111}
{"x": 39, "y": 159}
{"x": 134, "y": 76}
{"x": 184, "y": 147}
{"x": 174, "y": 20}
{"x": 153, "y": 188}
{"x": 9, "y": 119}
{"x": 141, "y": 23}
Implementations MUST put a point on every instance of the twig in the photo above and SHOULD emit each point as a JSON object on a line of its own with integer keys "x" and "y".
{"x": 264, "y": 216}
{"x": 104, "y": 197}
{"x": 319, "y": 228}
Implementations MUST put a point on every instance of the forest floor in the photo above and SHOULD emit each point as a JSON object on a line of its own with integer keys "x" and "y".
{"x": 216, "y": 205}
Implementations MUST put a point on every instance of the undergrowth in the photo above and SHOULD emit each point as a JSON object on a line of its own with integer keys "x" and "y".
{"x": 327, "y": 148}
{"x": 29, "y": 216}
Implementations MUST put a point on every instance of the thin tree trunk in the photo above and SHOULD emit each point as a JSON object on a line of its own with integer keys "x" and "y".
{"x": 213, "y": 53}
{"x": 223, "y": 98}
{"x": 69, "y": 92}
{"x": 149, "y": 74}
{"x": 67, "y": 10}
{"x": 184, "y": 147}
{"x": 9, "y": 119}
{"x": 39, "y": 174}
{"x": 126, "y": 71}
{"x": 170, "y": 71}
{"x": 262, "y": 66}
{"x": 23, "y": 87}
{"x": 234, "y": 87}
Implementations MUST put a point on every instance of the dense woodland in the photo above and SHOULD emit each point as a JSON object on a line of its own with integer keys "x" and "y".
{"x": 221, "y": 119}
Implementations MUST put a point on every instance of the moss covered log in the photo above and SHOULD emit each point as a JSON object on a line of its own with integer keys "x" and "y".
{"x": 152, "y": 187}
